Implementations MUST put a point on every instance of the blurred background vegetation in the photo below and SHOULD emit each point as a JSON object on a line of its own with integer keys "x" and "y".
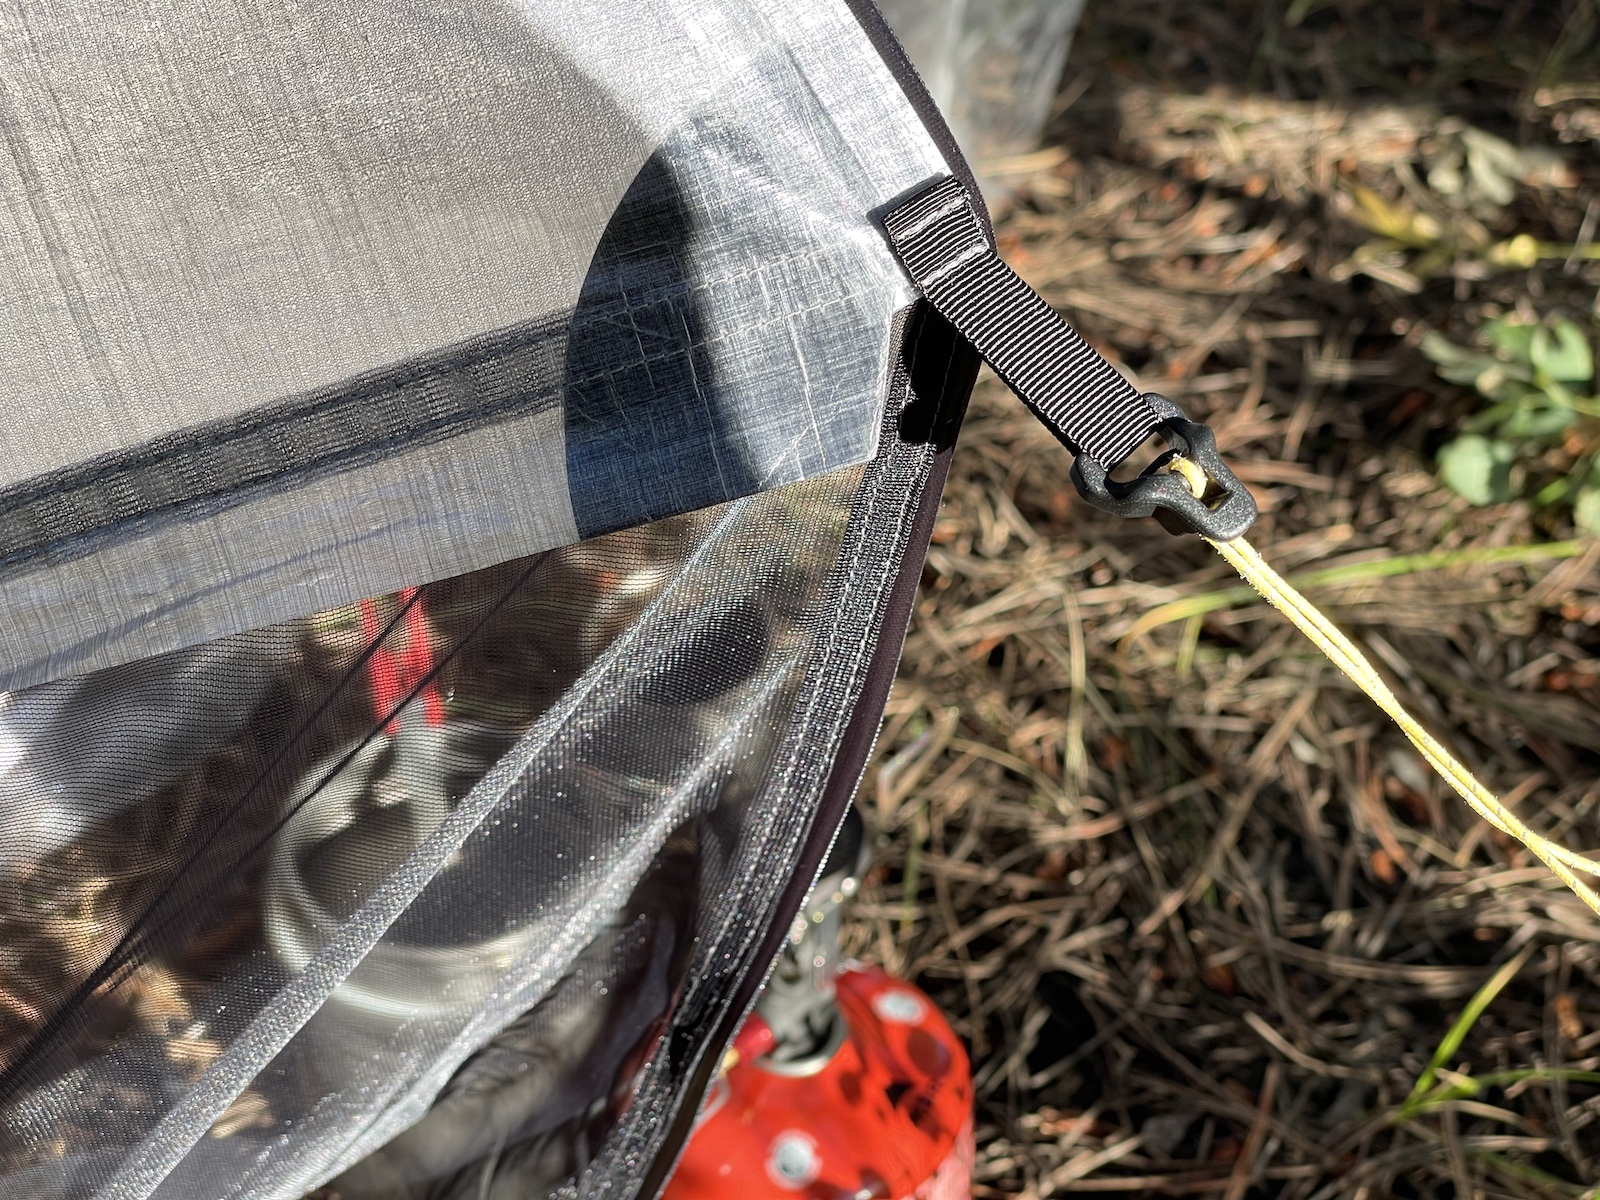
{"x": 1207, "y": 923}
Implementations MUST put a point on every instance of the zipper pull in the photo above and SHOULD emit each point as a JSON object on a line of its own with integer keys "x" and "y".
{"x": 1081, "y": 398}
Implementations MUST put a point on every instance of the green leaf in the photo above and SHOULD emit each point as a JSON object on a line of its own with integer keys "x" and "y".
{"x": 1457, "y": 1033}
{"x": 1394, "y": 221}
{"x": 1465, "y": 373}
{"x": 1586, "y": 509}
{"x": 1562, "y": 353}
{"x": 1445, "y": 175}
{"x": 1513, "y": 338}
{"x": 1456, "y": 363}
{"x": 1442, "y": 350}
{"x": 1485, "y": 372}
{"x": 1537, "y": 423}
{"x": 1492, "y": 165}
{"x": 1490, "y": 381}
{"x": 1553, "y": 492}
{"x": 1503, "y": 381}
{"x": 1491, "y": 418}
{"x": 1476, "y": 468}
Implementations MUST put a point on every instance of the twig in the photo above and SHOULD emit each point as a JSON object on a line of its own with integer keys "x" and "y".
{"x": 1244, "y": 1168}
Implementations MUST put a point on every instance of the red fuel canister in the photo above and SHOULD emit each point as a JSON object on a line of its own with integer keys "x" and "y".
{"x": 883, "y": 1111}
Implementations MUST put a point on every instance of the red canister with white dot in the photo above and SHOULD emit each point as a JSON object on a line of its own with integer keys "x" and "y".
{"x": 884, "y": 1113}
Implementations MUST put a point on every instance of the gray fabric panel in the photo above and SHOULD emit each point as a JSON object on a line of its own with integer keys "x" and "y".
{"x": 209, "y": 207}
{"x": 661, "y": 61}
{"x": 71, "y": 512}
{"x": 750, "y": 378}
{"x": 366, "y": 531}
{"x": 346, "y": 189}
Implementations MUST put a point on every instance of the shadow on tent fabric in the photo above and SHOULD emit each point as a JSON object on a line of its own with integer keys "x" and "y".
{"x": 646, "y": 437}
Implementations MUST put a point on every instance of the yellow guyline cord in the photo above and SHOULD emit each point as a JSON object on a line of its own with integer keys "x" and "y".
{"x": 1325, "y": 635}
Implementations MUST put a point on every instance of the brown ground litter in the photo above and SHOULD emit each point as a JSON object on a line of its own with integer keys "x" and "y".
{"x": 1202, "y": 915}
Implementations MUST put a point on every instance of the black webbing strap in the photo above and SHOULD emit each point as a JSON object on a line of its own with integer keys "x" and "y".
{"x": 1079, "y": 396}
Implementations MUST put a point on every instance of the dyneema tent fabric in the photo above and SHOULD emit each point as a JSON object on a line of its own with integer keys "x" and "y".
{"x": 467, "y": 470}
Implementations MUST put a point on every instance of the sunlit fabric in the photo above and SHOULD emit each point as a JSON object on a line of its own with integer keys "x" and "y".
{"x": 466, "y": 473}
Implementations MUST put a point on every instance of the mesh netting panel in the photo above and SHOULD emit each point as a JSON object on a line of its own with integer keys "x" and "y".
{"x": 417, "y": 876}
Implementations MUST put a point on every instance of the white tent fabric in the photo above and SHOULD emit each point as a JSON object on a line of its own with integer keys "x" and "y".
{"x": 467, "y": 472}
{"x": 297, "y": 299}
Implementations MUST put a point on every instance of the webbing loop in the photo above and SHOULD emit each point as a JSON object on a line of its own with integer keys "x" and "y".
{"x": 1080, "y": 397}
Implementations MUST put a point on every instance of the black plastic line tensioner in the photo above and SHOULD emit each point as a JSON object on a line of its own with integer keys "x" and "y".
{"x": 1224, "y": 513}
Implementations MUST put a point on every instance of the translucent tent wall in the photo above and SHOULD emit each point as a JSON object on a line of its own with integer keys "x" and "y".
{"x": 466, "y": 475}
{"x": 993, "y": 67}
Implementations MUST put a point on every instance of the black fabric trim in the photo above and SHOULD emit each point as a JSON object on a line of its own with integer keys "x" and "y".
{"x": 855, "y": 749}
{"x": 944, "y": 243}
{"x": 933, "y": 354}
{"x": 943, "y": 367}
{"x": 500, "y": 376}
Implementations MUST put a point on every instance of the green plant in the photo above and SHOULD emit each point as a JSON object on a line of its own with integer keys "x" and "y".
{"x": 1445, "y": 228}
{"x": 1437, "y": 1087}
{"x": 1537, "y": 437}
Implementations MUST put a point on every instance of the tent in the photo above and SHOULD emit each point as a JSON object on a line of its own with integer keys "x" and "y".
{"x": 466, "y": 474}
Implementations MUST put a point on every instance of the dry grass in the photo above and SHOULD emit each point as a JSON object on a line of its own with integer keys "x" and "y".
{"x": 1202, "y": 916}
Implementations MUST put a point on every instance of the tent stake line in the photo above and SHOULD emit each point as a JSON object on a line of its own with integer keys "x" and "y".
{"x": 1096, "y": 414}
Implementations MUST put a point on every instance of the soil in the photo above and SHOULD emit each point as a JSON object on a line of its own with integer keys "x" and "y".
{"x": 1202, "y": 915}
